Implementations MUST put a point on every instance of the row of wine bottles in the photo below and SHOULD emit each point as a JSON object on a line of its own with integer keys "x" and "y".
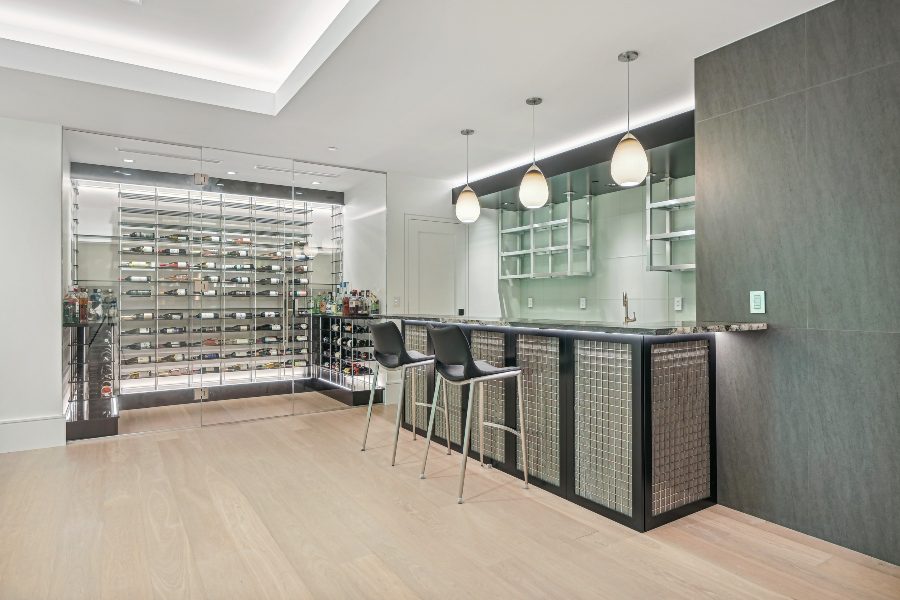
{"x": 180, "y": 357}
{"x": 359, "y": 355}
{"x": 233, "y": 368}
{"x": 207, "y": 342}
{"x": 347, "y": 342}
{"x": 238, "y": 316}
{"x": 210, "y": 266}
{"x": 211, "y": 329}
{"x": 177, "y": 238}
{"x": 351, "y": 369}
{"x": 349, "y": 328}
{"x": 217, "y": 279}
{"x": 209, "y": 293}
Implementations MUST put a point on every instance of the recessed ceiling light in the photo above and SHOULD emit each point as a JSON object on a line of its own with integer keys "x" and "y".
{"x": 333, "y": 148}
{"x": 232, "y": 172}
{"x": 317, "y": 183}
{"x": 128, "y": 160}
{"x": 212, "y": 161}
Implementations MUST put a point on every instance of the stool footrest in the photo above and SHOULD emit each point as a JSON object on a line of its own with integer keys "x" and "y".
{"x": 503, "y": 427}
{"x": 425, "y": 404}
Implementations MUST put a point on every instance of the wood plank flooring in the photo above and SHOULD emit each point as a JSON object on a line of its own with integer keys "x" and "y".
{"x": 290, "y": 508}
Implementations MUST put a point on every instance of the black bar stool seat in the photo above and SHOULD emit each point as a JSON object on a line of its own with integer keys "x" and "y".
{"x": 391, "y": 355}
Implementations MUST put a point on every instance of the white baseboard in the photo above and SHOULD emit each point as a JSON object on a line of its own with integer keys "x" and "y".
{"x": 30, "y": 434}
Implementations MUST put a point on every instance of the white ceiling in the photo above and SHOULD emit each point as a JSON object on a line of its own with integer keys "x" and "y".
{"x": 395, "y": 93}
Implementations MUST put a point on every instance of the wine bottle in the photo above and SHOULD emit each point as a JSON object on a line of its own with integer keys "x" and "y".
{"x": 238, "y": 342}
{"x": 303, "y": 326}
{"x": 207, "y": 293}
{"x": 138, "y": 331}
{"x": 141, "y": 250}
{"x": 176, "y": 292}
{"x": 207, "y": 315}
{"x": 239, "y": 293}
{"x": 269, "y": 327}
{"x": 269, "y": 268}
{"x": 209, "y": 356}
{"x": 239, "y": 315}
{"x": 269, "y": 314}
{"x": 244, "y": 267}
{"x": 138, "y": 360}
{"x": 269, "y": 339}
{"x": 244, "y": 241}
{"x": 273, "y": 255}
{"x": 137, "y": 264}
{"x": 172, "y": 358}
{"x": 208, "y": 329}
{"x": 295, "y": 363}
{"x": 210, "y": 238}
{"x": 178, "y": 277}
{"x": 237, "y": 253}
{"x": 239, "y": 280}
{"x": 137, "y": 279}
{"x": 173, "y": 265}
{"x": 175, "y": 345}
{"x": 267, "y": 352}
{"x": 269, "y": 281}
{"x": 173, "y": 251}
{"x": 172, "y": 316}
{"x": 205, "y": 265}
{"x": 139, "y": 375}
{"x": 233, "y": 328}
{"x": 212, "y": 342}
{"x": 172, "y": 330}
{"x": 211, "y": 278}
{"x": 238, "y": 354}
{"x": 147, "y": 316}
{"x": 141, "y": 235}
{"x": 299, "y": 293}
{"x": 139, "y": 346}
{"x": 301, "y": 269}
{"x": 301, "y": 281}
{"x": 140, "y": 293}
{"x": 305, "y": 351}
{"x": 177, "y": 237}
{"x": 300, "y": 338}
{"x": 269, "y": 293}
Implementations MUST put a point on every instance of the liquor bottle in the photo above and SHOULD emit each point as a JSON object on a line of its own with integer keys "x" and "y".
{"x": 172, "y": 316}
{"x": 140, "y": 293}
{"x": 269, "y": 327}
{"x": 139, "y": 346}
{"x": 137, "y": 279}
{"x": 207, "y": 315}
{"x": 299, "y": 293}
{"x": 270, "y": 293}
{"x": 172, "y": 330}
{"x": 177, "y": 237}
{"x": 140, "y": 250}
{"x": 345, "y": 305}
{"x": 205, "y": 265}
{"x": 147, "y": 316}
{"x": 239, "y": 315}
{"x": 137, "y": 264}
{"x": 237, "y": 253}
{"x": 238, "y": 328}
{"x": 138, "y": 360}
{"x": 269, "y": 314}
{"x": 241, "y": 293}
{"x": 301, "y": 281}
{"x": 211, "y": 278}
{"x": 375, "y": 307}
{"x": 269, "y": 281}
{"x": 239, "y": 280}
{"x": 141, "y": 235}
{"x": 173, "y": 251}
{"x": 269, "y": 269}
{"x": 172, "y": 358}
{"x": 269, "y": 339}
{"x": 138, "y": 331}
{"x": 173, "y": 265}
{"x": 176, "y": 292}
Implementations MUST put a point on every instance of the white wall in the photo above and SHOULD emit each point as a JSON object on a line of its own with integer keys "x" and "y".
{"x": 484, "y": 296}
{"x": 31, "y": 184}
{"x": 365, "y": 236}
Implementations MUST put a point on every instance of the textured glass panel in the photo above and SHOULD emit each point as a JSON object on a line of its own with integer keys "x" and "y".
{"x": 603, "y": 423}
{"x": 416, "y": 378}
{"x": 489, "y": 347}
{"x": 539, "y": 358}
{"x": 680, "y": 424}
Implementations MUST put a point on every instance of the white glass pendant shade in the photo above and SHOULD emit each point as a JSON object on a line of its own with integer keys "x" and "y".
{"x": 533, "y": 191}
{"x": 629, "y": 166}
{"x": 468, "y": 208}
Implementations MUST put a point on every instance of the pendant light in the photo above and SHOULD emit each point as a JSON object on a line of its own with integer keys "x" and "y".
{"x": 468, "y": 208}
{"x": 629, "y": 166}
{"x": 533, "y": 191}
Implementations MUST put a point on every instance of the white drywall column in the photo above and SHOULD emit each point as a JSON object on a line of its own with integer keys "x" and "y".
{"x": 31, "y": 188}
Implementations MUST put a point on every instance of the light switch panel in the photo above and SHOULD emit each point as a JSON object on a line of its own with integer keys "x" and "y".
{"x": 677, "y": 303}
{"x": 582, "y": 303}
{"x": 757, "y": 302}
{"x": 530, "y": 302}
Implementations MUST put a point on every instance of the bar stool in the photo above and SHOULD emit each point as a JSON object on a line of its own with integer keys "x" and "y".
{"x": 454, "y": 365}
{"x": 392, "y": 355}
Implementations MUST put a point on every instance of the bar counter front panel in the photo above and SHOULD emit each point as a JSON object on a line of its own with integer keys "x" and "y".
{"x": 622, "y": 424}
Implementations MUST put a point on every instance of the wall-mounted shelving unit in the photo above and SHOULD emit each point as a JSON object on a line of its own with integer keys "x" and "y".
{"x": 344, "y": 352}
{"x": 668, "y": 237}
{"x": 551, "y": 241}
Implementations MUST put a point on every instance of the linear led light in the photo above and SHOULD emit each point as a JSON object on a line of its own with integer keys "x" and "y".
{"x": 283, "y": 170}
{"x": 211, "y": 161}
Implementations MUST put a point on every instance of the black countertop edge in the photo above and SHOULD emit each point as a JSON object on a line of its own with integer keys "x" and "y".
{"x": 668, "y": 328}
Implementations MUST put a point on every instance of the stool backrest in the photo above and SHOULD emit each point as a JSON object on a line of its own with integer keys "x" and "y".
{"x": 451, "y": 349}
{"x": 387, "y": 343}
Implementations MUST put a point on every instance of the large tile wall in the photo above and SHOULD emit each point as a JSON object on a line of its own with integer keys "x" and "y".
{"x": 798, "y": 147}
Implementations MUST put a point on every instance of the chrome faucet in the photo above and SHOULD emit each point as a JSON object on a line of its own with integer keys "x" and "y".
{"x": 633, "y": 316}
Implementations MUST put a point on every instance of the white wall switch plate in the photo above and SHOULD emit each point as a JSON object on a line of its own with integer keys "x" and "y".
{"x": 677, "y": 303}
{"x": 582, "y": 303}
{"x": 396, "y": 300}
{"x": 530, "y": 302}
{"x": 757, "y": 303}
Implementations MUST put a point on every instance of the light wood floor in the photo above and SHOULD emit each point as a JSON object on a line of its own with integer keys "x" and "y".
{"x": 181, "y": 416}
{"x": 290, "y": 508}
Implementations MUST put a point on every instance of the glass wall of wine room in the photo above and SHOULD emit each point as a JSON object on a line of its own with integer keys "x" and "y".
{"x": 205, "y": 286}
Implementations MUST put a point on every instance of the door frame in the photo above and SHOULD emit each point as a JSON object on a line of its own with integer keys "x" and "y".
{"x": 408, "y": 217}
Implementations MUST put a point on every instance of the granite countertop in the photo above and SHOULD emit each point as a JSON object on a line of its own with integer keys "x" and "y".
{"x": 665, "y": 328}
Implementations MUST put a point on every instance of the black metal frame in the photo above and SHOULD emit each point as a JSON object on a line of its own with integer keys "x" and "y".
{"x": 641, "y": 518}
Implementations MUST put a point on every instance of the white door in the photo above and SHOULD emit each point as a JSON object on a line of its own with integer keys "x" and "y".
{"x": 436, "y": 266}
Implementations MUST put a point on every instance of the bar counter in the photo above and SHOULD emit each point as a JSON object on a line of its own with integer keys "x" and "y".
{"x": 619, "y": 419}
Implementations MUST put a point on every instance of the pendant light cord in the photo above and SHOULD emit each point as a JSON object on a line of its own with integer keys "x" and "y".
{"x": 628, "y": 96}
{"x": 533, "y": 147}
{"x": 467, "y": 160}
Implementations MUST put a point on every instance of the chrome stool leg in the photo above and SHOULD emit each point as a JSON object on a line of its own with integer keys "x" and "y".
{"x": 414, "y": 408}
{"x": 521, "y": 400}
{"x": 481, "y": 423}
{"x": 465, "y": 446}
{"x": 437, "y": 390}
{"x": 446, "y": 418}
{"x": 371, "y": 401}
{"x": 400, "y": 404}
